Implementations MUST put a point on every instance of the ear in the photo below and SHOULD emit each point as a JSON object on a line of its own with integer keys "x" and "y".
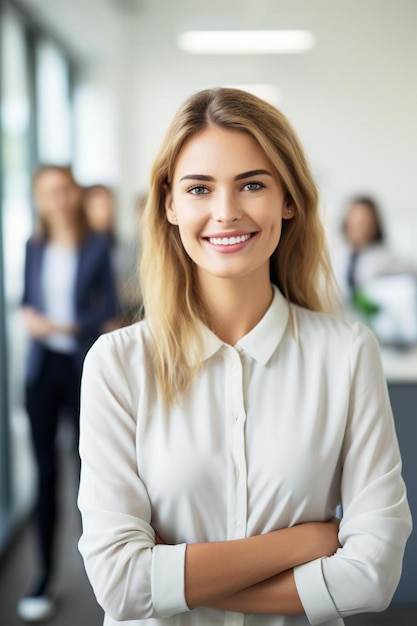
{"x": 289, "y": 210}
{"x": 169, "y": 206}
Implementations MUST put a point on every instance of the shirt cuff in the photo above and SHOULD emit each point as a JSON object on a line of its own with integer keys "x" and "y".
{"x": 167, "y": 579}
{"x": 314, "y": 595}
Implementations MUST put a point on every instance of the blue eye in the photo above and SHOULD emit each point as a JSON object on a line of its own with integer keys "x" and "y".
{"x": 253, "y": 186}
{"x": 198, "y": 190}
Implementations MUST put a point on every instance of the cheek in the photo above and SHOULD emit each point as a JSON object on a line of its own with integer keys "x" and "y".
{"x": 276, "y": 235}
{"x": 189, "y": 236}
{"x": 190, "y": 223}
{"x": 190, "y": 243}
{"x": 275, "y": 225}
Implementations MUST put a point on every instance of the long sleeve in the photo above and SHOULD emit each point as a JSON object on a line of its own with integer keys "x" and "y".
{"x": 362, "y": 576}
{"x": 32, "y": 295}
{"x": 132, "y": 578}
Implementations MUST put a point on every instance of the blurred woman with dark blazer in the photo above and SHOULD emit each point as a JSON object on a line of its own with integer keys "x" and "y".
{"x": 69, "y": 294}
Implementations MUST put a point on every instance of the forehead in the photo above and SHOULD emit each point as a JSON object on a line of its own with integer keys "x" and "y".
{"x": 50, "y": 178}
{"x": 361, "y": 210}
{"x": 221, "y": 150}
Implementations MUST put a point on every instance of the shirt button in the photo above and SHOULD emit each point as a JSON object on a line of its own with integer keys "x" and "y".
{"x": 235, "y": 417}
{"x": 238, "y": 524}
{"x": 237, "y": 472}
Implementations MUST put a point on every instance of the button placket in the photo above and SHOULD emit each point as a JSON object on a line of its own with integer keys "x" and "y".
{"x": 237, "y": 481}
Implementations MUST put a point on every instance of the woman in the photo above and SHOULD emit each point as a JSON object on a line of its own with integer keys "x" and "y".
{"x": 364, "y": 254}
{"x": 99, "y": 205}
{"x": 219, "y": 435}
{"x": 68, "y": 295}
{"x": 100, "y": 210}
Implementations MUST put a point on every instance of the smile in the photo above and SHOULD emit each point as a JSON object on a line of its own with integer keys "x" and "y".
{"x": 228, "y": 241}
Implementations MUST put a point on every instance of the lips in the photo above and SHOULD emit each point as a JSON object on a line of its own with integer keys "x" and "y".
{"x": 232, "y": 242}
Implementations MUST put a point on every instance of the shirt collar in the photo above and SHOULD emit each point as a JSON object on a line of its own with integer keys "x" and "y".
{"x": 261, "y": 342}
{"x": 263, "y": 339}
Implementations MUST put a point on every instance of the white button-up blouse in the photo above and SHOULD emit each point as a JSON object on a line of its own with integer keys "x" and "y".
{"x": 275, "y": 431}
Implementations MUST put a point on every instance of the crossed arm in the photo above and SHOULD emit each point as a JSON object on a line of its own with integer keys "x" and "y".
{"x": 255, "y": 575}
{"x": 40, "y": 326}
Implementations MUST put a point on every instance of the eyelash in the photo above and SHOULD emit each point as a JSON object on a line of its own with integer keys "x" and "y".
{"x": 193, "y": 189}
{"x": 259, "y": 185}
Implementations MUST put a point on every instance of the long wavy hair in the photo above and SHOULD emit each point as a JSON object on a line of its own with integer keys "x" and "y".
{"x": 299, "y": 266}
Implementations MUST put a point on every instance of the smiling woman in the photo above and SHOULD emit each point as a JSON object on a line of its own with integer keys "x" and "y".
{"x": 237, "y": 211}
{"x": 296, "y": 266}
{"x": 220, "y": 435}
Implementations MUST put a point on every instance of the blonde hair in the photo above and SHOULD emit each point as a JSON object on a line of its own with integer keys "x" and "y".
{"x": 174, "y": 310}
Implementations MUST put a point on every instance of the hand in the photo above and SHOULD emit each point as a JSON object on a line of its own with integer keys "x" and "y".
{"x": 159, "y": 541}
{"x": 38, "y": 325}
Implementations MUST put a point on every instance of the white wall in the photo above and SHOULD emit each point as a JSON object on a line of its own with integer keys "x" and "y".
{"x": 352, "y": 99}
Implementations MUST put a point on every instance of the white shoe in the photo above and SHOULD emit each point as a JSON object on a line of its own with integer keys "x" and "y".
{"x": 35, "y": 609}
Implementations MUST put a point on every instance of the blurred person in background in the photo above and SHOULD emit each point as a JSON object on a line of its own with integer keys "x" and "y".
{"x": 100, "y": 209}
{"x": 69, "y": 294}
{"x": 363, "y": 253}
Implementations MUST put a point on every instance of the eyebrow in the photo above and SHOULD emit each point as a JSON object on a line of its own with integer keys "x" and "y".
{"x": 242, "y": 176}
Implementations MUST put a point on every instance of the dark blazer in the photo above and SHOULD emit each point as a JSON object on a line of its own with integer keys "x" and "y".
{"x": 95, "y": 295}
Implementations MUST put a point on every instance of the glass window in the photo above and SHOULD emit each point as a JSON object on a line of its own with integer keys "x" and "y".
{"x": 16, "y": 224}
{"x": 35, "y": 115}
{"x": 53, "y": 105}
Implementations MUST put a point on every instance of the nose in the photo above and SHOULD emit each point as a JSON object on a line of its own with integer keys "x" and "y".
{"x": 226, "y": 208}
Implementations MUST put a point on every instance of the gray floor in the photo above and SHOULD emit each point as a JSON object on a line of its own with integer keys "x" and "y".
{"x": 76, "y": 605}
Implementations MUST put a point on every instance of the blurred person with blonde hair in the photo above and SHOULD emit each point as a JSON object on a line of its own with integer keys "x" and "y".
{"x": 69, "y": 293}
{"x": 220, "y": 434}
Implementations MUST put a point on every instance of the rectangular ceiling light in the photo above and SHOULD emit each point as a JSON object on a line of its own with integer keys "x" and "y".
{"x": 246, "y": 41}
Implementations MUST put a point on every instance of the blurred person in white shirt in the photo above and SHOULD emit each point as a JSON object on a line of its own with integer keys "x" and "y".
{"x": 363, "y": 253}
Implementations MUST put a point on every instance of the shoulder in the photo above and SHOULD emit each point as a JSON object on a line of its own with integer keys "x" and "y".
{"x": 126, "y": 349}
{"x": 34, "y": 253}
{"x": 33, "y": 244}
{"x": 315, "y": 321}
{"x": 377, "y": 251}
{"x": 96, "y": 242}
{"x": 332, "y": 332}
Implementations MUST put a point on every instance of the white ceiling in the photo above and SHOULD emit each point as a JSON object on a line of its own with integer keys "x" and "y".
{"x": 89, "y": 27}
{"x": 363, "y": 46}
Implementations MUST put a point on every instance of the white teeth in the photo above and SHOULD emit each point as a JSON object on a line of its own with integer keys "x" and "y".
{"x": 228, "y": 241}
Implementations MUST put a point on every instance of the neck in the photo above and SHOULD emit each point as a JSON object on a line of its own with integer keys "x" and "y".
{"x": 235, "y": 305}
{"x": 63, "y": 235}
